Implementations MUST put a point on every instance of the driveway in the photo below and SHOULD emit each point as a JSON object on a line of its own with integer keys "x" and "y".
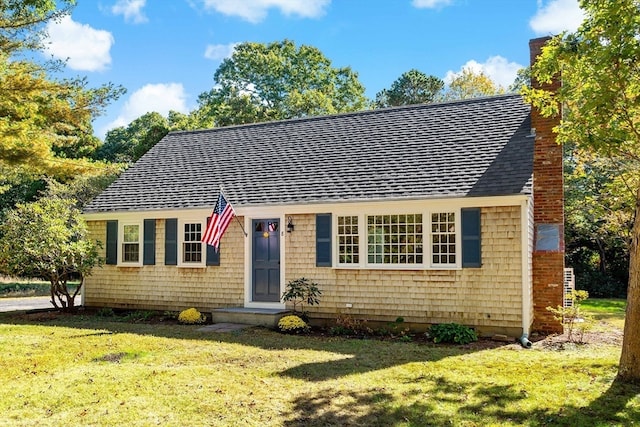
{"x": 22, "y": 304}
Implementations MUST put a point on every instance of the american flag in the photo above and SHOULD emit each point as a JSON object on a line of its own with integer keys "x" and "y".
{"x": 222, "y": 215}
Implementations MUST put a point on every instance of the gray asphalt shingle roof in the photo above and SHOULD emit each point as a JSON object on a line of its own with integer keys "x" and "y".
{"x": 477, "y": 147}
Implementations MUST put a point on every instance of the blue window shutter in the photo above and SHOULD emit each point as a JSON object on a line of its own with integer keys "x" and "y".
{"x": 112, "y": 243}
{"x": 323, "y": 240}
{"x": 213, "y": 257}
{"x": 149, "y": 247}
{"x": 471, "y": 242}
{"x": 171, "y": 241}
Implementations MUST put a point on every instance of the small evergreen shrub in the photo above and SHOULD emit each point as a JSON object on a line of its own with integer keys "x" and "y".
{"x": 191, "y": 316}
{"x": 452, "y": 333}
{"x": 301, "y": 291}
{"x": 292, "y": 325}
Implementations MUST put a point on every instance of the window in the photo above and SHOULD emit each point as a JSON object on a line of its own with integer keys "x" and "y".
{"x": 131, "y": 243}
{"x": 394, "y": 239}
{"x": 348, "y": 240}
{"x": 443, "y": 238}
{"x": 191, "y": 245}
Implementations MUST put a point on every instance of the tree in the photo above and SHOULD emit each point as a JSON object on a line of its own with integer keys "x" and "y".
{"x": 522, "y": 80}
{"x": 469, "y": 84}
{"x": 48, "y": 239}
{"x": 598, "y": 219}
{"x": 126, "y": 144}
{"x": 45, "y": 122}
{"x": 412, "y": 87}
{"x": 276, "y": 81}
{"x": 600, "y": 95}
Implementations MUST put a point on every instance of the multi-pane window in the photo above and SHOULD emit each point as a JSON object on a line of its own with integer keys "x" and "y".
{"x": 348, "y": 240}
{"x": 191, "y": 244}
{"x": 443, "y": 238}
{"x": 131, "y": 243}
{"x": 394, "y": 239}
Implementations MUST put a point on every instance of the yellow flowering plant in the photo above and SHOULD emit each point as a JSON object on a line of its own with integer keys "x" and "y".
{"x": 292, "y": 325}
{"x": 191, "y": 316}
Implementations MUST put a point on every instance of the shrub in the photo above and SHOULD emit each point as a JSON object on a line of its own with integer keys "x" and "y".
{"x": 139, "y": 316}
{"x": 302, "y": 291}
{"x": 292, "y": 325}
{"x": 105, "y": 312}
{"x": 573, "y": 317}
{"x": 191, "y": 316}
{"x": 348, "y": 325}
{"x": 452, "y": 333}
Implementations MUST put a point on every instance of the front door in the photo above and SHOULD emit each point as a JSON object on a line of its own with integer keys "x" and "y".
{"x": 266, "y": 260}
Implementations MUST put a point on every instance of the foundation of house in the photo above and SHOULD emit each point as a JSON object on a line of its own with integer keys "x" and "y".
{"x": 266, "y": 317}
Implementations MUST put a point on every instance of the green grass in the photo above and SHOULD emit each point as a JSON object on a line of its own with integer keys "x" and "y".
{"x": 611, "y": 311}
{"x": 86, "y": 370}
{"x": 15, "y": 287}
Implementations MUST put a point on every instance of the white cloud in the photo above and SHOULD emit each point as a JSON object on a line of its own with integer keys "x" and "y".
{"x": 498, "y": 69}
{"x": 131, "y": 10}
{"x": 85, "y": 48}
{"x": 218, "y": 52}
{"x": 430, "y": 4}
{"x": 161, "y": 97}
{"x": 556, "y": 16}
{"x": 256, "y": 10}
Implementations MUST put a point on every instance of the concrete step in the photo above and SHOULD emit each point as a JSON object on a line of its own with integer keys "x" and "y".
{"x": 267, "y": 317}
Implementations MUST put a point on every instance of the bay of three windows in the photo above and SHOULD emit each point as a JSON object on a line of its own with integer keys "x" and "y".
{"x": 398, "y": 239}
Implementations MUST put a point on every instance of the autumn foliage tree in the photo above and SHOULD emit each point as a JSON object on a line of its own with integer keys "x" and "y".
{"x": 469, "y": 84}
{"x": 45, "y": 120}
{"x": 600, "y": 95}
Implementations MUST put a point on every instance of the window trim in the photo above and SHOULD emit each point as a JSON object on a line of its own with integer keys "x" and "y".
{"x": 427, "y": 257}
{"x": 180, "y": 242}
{"x": 121, "y": 242}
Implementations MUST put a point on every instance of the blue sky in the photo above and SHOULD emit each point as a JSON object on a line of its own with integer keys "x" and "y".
{"x": 165, "y": 52}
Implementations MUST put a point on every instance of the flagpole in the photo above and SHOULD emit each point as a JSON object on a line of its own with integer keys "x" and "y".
{"x": 236, "y": 217}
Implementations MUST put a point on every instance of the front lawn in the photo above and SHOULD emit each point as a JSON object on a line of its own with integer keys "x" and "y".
{"x": 87, "y": 370}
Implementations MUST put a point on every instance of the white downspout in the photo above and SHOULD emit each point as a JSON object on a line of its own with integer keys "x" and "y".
{"x": 526, "y": 248}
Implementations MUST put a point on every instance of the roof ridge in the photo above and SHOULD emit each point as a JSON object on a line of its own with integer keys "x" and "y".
{"x": 350, "y": 113}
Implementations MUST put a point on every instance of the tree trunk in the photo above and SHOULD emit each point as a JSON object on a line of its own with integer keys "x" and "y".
{"x": 629, "y": 370}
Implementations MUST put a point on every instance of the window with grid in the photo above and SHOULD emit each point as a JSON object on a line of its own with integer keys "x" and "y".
{"x": 191, "y": 244}
{"x": 131, "y": 243}
{"x": 443, "y": 238}
{"x": 394, "y": 239}
{"x": 348, "y": 240}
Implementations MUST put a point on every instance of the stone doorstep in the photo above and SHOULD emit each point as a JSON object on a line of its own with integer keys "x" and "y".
{"x": 267, "y": 317}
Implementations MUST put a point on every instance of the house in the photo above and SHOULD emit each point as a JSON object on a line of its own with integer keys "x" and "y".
{"x": 435, "y": 213}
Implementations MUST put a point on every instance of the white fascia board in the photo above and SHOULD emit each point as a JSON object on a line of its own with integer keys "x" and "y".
{"x": 311, "y": 208}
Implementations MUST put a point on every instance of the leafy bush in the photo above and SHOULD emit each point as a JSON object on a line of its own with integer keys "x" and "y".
{"x": 452, "y": 333}
{"x": 301, "y": 291}
{"x": 105, "y": 312}
{"x": 139, "y": 316}
{"x": 191, "y": 316}
{"x": 292, "y": 324}
{"x": 573, "y": 317}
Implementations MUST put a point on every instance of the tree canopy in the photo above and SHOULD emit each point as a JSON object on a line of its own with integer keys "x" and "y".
{"x": 470, "y": 84}
{"x": 600, "y": 95}
{"x": 278, "y": 81}
{"x": 412, "y": 87}
{"x": 48, "y": 239}
{"x": 45, "y": 121}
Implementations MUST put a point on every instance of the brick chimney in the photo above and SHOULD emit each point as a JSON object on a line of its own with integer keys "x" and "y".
{"x": 548, "y": 211}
